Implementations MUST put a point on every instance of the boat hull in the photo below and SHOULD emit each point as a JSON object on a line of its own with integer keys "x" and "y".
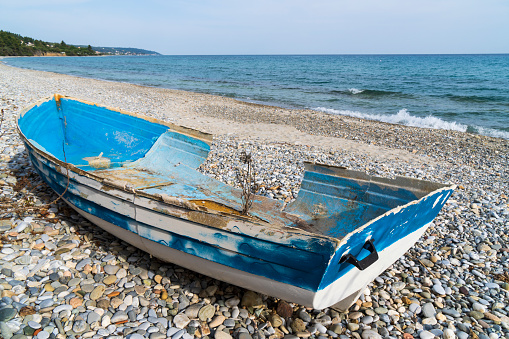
{"x": 84, "y": 195}
{"x": 342, "y": 231}
{"x": 348, "y": 285}
{"x": 182, "y": 242}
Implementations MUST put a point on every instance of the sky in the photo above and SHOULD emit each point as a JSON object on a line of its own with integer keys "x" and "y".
{"x": 204, "y": 27}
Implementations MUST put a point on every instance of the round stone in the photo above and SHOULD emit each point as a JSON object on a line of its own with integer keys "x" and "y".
{"x": 7, "y": 250}
{"x": 135, "y": 270}
{"x": 370, "y": 334}
{"x": 7, "y": 272}
{"x": 79, "y": 326}
{"x": 222, "y": 335}
{"x": 284, "y": 309}
{"x": 217, "y": 320}
{"x": 275, "y": 320}
{"x": 42, "y": 335}
{"x": 426, "y": 335}
{"x": 428, "y": 310}
{"x": 139, "y": 289}
{"x": 103, "y": 303}
{"x": 193, "y": 310}
{"x": 93, "y": 317}
{"x": 438, "y": 289}
{"x": 298, "y": 325}
{"x": 478, "y": 307}
{"x": 353, "y": 326}
{"x": 7, "y": 313}
{"x": 110, "y": 279}
{"x": 73, "y": 282}
{"x": 119, "y": 316}
{"x": 206, "y": 312}
{"x": 367, "y": 319}
{"x": 97, "y": 292}
{"x": 181, "y": 320}
{"x": 381, "y": 310}
{"x": 60, "y": 308}
{"x": 75, "y": 302}
{"x": 121, "y": 273}
{"x": 398, "y": 285}
{"x": 449, "y": 334}
{"x": 115, "y": 302}
{"x": 304, "y": 316}
{"x": 82, "y": 263}
{"x": 87, "y": 288}
{"x": 414, "y": 308}
{"x": 476, "y": 315}
{"x": 111, "y": 269}
{"x": 105, "y": 321}
{"x": 249, "y": 297}
{"x": 46, "y": 303}
{"x": 34, "y": 325}
{"x": 229, "y": 322}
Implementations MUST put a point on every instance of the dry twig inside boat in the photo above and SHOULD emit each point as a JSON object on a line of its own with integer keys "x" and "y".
{"x": 246, "y": 178}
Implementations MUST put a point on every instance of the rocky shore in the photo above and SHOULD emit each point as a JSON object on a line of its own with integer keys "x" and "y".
{"x": 63, "y": 277}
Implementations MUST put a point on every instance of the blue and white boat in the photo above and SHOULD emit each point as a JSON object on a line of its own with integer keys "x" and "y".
{"x": 136, "y": 177}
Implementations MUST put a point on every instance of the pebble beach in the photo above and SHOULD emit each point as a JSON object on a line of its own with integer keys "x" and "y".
{"x": 63, "y": 277}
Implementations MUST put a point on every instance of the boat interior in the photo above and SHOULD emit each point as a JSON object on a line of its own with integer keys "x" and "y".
{"x": 161, "y": 159}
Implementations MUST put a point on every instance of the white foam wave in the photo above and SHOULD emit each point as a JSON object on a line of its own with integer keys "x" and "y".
{"x": 401, "y": 118}
{"x": 492, "y": 132}
{"x": 355, "y": 90}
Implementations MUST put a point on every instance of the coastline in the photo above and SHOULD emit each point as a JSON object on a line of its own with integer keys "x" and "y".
{"x": 443, "y": 104}
{"x": 451, "y": 257}
{"x": 216, "y": 115}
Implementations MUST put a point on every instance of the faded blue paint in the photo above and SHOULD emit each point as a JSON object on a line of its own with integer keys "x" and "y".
{"x": 173, "y": 149}
{"x": 385, "y": 231}
{"x": 336, "y": 205}
{"x": 89, "y": 131}
{"x": 42, "y": 124}
{"x": 332, "y": 204}
{"x": 292, "y": 265}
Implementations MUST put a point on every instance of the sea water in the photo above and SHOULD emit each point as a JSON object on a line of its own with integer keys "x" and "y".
{"x": 467, "y": 93}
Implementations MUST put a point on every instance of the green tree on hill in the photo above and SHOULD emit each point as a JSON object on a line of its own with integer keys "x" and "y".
{"x": 12, "y": 44}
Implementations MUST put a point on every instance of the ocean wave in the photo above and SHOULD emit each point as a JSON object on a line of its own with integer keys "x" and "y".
{"x": 355, "y": 90}
{"x": 491, "y": 132}
{"x": 405, "y": 118}
{"x": 478, "y": 98}
{"x": 369, "y": 93}
{"x": 401, "y": 118}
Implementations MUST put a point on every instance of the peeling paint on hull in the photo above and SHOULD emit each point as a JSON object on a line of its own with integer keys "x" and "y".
{"x": 153, "y": 197}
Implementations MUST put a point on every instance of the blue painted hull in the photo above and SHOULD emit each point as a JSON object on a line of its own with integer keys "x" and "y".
{"x": 144, "y": 187}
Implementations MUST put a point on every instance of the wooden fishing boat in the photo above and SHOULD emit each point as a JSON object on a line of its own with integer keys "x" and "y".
{"x": 136, "y": 177}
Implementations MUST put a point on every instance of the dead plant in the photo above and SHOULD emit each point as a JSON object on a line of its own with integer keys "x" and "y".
{"x": 246, "y": 178}
{"x": 26, "y": 202}
{"x": 2, "y": 132}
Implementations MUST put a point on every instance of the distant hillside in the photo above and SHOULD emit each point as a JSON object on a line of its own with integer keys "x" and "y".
{"x": 12, "y": 44}
{"x": 123, "y": 51}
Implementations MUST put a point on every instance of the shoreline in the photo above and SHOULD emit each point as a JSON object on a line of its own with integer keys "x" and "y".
{"x": 450, "y": 283}
{"x": 372, "y": 133}
{"x": 289, "y": 108}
